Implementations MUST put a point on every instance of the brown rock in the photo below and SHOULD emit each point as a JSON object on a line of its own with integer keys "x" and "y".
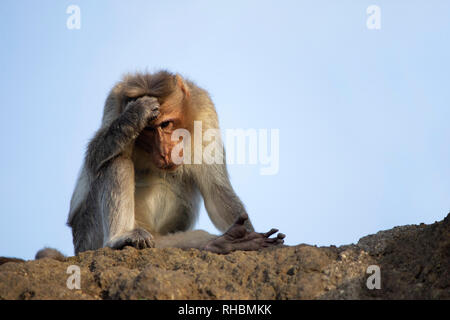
{"x": 414, "y": 262}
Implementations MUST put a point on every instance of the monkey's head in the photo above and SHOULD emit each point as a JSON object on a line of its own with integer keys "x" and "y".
{"x": 173, "y": 95}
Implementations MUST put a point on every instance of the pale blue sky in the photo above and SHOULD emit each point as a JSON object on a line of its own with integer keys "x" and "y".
{"x": 363, "y": 114}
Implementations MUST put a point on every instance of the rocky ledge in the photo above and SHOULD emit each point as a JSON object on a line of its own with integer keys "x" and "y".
{"x": 413, "y": 261}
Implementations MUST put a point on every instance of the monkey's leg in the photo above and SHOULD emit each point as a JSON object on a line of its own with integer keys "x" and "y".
{"x": 116, "y": 196}
{"x": 185, "y": 240}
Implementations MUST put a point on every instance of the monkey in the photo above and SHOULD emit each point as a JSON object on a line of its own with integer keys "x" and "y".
{"x": 130, "y": 191}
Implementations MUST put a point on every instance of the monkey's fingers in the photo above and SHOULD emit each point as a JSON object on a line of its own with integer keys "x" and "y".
{"x": 155, "y": 113}
{"x": 269, "y": 233}
{"x": 149, "y": 243}
{"x": 142, "y": 244}
{"x": 281, "y": 236}
{"x": 148, "y": 100}
{"x": 272, "y": 242}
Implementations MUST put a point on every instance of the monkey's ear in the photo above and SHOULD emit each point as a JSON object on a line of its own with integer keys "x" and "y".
{"x": 182, "y": 85}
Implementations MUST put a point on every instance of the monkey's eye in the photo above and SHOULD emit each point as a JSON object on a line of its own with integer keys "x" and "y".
{"x": 166, "y": 125}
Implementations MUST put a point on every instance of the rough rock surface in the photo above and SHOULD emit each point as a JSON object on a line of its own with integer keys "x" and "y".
{"x": 414, "y": 262}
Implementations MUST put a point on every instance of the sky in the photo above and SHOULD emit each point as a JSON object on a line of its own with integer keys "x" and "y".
{"x": 362, "y": 113}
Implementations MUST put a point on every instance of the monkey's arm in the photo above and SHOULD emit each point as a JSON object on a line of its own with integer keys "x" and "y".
{"x": 221, "y": 202}
{"x": 102, "y": 207}
{"x": 112, "y": 140}
{"x": 228, "y": 213}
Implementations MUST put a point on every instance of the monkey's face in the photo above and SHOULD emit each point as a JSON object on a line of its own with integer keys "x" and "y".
{"x": 156, "y": 138}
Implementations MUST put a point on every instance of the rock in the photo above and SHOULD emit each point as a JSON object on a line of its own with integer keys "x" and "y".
{"x": 6, "y": 259}
{"x": 414, "y": 262}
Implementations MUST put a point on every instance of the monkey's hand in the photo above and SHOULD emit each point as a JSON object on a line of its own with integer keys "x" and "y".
{"x": 239, "y": 238}
{"x": 111, "y": 141}
{"x": 145, "y": 108}
{"x": 138, "y": 238}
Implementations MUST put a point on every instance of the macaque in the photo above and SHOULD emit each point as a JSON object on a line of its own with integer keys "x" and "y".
{"x": 130, "y": 191}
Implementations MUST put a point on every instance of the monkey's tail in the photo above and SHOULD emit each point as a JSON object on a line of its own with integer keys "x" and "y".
{"x": 50, "y": 253}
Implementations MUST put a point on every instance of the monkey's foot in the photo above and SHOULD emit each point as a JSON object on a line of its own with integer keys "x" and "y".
{"x": 239, "y": 238}
{"x": 138, "y": 238}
